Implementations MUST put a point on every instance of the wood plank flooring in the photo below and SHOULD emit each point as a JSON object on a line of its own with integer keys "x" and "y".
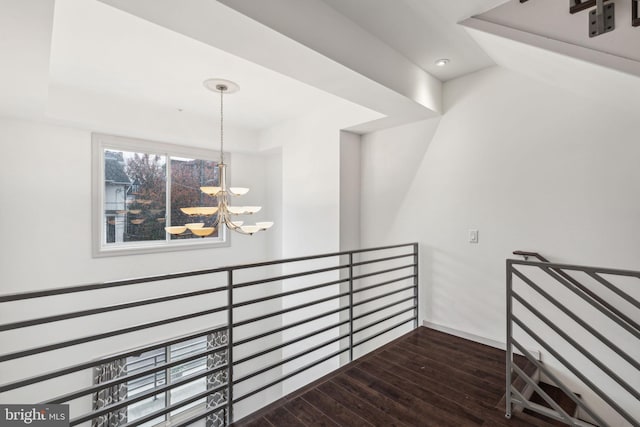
{"x": 425, "y": 378}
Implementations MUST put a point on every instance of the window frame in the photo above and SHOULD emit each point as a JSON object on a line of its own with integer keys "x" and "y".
{"x": 184, "y": 413}
{"x": 100, "y": 247}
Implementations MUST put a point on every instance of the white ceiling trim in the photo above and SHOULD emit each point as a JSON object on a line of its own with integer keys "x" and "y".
{"x": 226, "y": 29}
{"x": 611, "y": 80}
{"x": 323, "y": 29}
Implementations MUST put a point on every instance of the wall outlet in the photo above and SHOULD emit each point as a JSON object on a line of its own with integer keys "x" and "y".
{"x": 473, "y": 235}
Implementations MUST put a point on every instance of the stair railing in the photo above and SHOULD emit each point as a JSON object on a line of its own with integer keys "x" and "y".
{"x": 516, "y": 271}
{"x": 260, "y": 325}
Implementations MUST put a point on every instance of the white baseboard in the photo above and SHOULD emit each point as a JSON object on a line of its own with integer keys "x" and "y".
{"x": 474, "y": 338}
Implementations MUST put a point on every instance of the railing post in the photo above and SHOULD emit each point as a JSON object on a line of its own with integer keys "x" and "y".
{"x": 416, "y": 300}
{"x": 509, "y": 349}
{"x": 350, "y": 306}
{"x": 229, "y": 346}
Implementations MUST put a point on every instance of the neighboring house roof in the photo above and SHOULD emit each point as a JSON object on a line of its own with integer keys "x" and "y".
{"x": 114, "y": 169}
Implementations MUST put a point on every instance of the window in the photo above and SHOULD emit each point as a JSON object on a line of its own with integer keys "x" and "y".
{"x": 139, "y": 187}
{"x": 192, "y": 386}
{"x": 149, "y": 382}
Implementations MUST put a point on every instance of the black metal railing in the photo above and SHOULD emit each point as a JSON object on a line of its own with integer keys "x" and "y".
{"x": 537, "y": 294}
{"x": 273, "y": 321}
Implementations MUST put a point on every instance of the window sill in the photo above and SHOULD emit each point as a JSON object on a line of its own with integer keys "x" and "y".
{"x": 140, "y": 248}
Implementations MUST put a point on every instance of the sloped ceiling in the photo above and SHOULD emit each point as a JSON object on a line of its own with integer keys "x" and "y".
{"x": 551, "y": 19}
{"x": 423, "y": 31}
{"x": 543, "y": 40}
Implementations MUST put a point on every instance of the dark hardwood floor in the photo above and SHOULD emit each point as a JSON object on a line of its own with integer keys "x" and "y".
{"x": 425, "y": 378}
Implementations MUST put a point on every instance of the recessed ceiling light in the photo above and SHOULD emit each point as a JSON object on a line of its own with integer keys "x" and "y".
{"x": 442, "y": 62}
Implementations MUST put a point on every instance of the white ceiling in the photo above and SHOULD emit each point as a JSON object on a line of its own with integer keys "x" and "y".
{"x": 424, "y": 30}
{"x": 122, "y": 56}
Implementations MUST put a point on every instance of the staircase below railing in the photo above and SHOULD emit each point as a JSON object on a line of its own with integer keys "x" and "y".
{"x": 538, "y": 309}
{"x": 195, "y": 346}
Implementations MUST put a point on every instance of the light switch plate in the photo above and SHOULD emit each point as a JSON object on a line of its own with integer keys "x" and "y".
{"x": 473, "y": 235}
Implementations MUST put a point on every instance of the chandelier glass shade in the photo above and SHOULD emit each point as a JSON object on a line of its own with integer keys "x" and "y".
{"x": 224, "y": 213}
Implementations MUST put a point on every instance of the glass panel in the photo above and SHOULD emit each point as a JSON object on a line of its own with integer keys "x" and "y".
{"x": 146, "y": 383}
{"x": 134, "y": 196}
{"x": 187, "y": 390}
{"x": 187, "y": 176}
{"x": 180, "y": 351}
{"x": 147, "y": 406}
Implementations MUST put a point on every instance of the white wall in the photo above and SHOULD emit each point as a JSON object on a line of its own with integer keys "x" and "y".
{"x": 45, "y": 221}
{"x": 46, "y": 228}
{"x": 311, "y": 209}
{"x": 45, "y": 188}
{"x": 349, "y": 191}
{"x": 531, "y": 167}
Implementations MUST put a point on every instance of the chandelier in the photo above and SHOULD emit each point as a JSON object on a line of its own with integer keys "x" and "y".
{"x": 224, "y": 211}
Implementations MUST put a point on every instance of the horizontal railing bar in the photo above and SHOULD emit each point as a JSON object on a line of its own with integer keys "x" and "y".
{"x": 384, "y": 307}
{"x": 570, "y": 283}
{"x": 586, "y": 269}
{"x": 372, "y": 261}
{"x": 83, "y": 340}
{"x": 310, "y": 257}
{"x": 552, "y": 403}
{"x": 287, "y": 343}
{"x": 126, "y": 378}
{"x": 384, "y": 319}
{"x": 201, "y": 415}
{"x": 290, "y": 358}
{"x": 576, "y": 372}
{"x": 291, "y": 374}
{"x": 368, "y": 300}
{"x": 86, "y": 365}
{"x": 411, "y": 319}
{"x": 287, "y": 310}
{"x": 578, "y": 320}
{"x": 289, "y": 276}
{"x": 285, "y": 294}
{"x": 142, "y": 396}
{"x": 558, "y": 383}
{"x": 289, "y": 326}
{"x": 386, "y": 282}
{"x": 175, "y": 406}
{"x": 527, "y": 254}
{"x": 625, "y": 296}
{"x": 389, "y": 270}
{"x": 619, "y": 321}
{"x": 106, "y": 309}
{"x": 105, "y": 285}
{"x": 577, "y": 346}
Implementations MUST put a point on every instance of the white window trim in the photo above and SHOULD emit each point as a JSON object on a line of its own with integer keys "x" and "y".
{"x": 100, "y": 248}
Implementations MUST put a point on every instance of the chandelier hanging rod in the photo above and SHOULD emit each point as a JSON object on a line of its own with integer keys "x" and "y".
{"x": 222, "y": 193}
